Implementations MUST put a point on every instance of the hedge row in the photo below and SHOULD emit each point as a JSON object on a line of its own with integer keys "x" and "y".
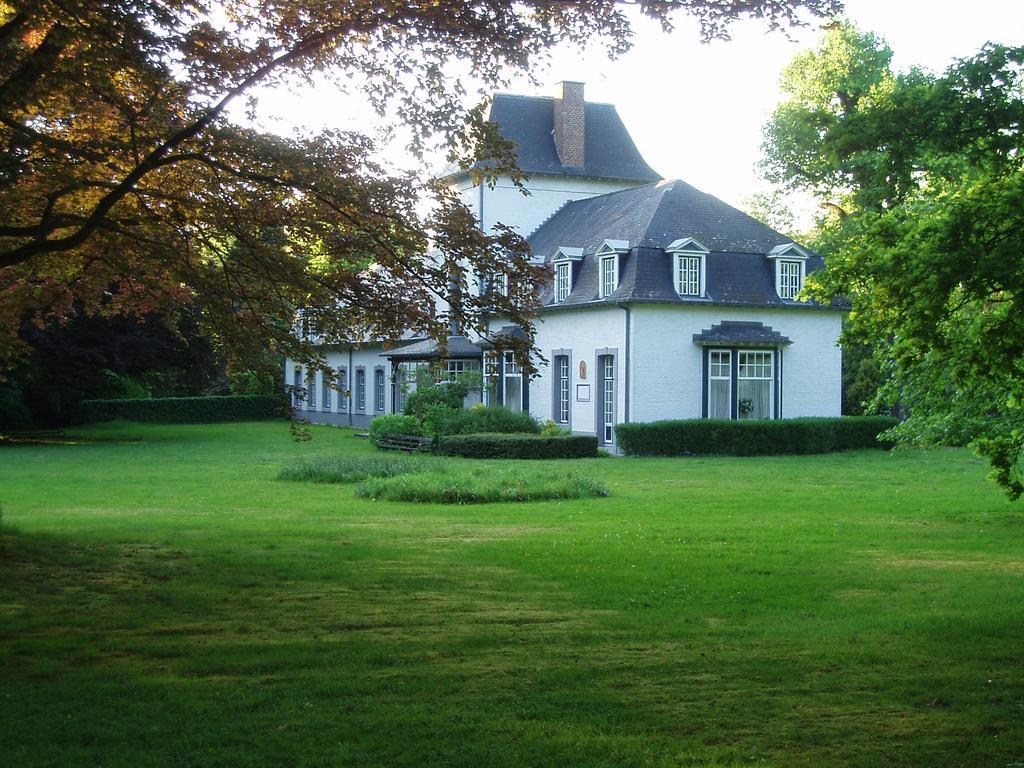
{"x": 752, "y": 438}
{"x": 184, "y": 410}
{"x": 517, "y": 446}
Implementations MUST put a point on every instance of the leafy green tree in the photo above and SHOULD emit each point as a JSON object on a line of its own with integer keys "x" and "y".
{"x": 125, "y": 187}
{"x": 926, "y": 172}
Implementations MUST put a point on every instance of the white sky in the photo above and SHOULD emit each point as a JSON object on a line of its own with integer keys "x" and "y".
{"x": 696, "y": 110}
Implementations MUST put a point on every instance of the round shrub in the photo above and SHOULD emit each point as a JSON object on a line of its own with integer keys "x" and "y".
{"x": 490, "y": 419}
{"x": 393, "y": 424}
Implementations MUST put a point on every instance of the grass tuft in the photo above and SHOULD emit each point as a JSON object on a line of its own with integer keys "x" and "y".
{"x": 482, "y": 486}
{"x": 352, "y": 469}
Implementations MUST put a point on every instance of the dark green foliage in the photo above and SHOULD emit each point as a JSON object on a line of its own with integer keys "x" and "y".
{"x": 115, "y": 357}
{"x": 489, "y": 419}
{"x": 352, "y": 469}
{"x": 862, "y": 378}
{"x": 185, "y": 410}
{"x": 13, "y": 412}
{"x": 393, "y": 424}
{"x": 926, "y": 174}
{"x": 450, "y": 395}
{"x": 767, "y": 437}
{"x": 518, "y": 446}
{"x": 481, "y": 486}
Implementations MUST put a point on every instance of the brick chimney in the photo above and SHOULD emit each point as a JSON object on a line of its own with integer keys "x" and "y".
{"x": 570, "y": 123}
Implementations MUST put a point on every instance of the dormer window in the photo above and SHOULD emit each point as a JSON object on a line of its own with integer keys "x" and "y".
{"x": 791, "y": 278}
{"x": 608, "y": 265}
{"x": 562, "y": 262}
{"x": 563, "y": 281}
{"x": 609, "y": 276}
{"x": 688, "y": 257}
{"x": 790, "y": 267}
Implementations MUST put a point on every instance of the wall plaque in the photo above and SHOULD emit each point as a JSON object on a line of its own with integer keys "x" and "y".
{"x": 582, "y": 393}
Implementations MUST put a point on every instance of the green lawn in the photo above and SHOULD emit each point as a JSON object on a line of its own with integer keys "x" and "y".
{"x": 164, "y": 600}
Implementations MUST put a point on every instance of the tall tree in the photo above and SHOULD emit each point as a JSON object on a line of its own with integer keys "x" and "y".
{"x": 125, "y": 187}
{"x": 927, "y": 172}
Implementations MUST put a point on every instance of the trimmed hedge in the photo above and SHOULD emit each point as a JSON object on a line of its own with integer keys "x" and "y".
{"x": 393, "y": 424}
{"x": 185, "y": 410}
{"x": 491, "y": 419}
{"x": 517, "y": 446}
{"x": 753, "y": 438}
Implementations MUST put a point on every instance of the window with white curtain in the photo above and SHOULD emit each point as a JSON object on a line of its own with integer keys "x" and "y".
{"x": 513, "y": 384}
{"x": 754, "y": 385}
{"x": 719, "y": 384}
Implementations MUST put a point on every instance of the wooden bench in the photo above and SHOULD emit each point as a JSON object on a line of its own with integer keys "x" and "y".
{"x": 410, "y": 443}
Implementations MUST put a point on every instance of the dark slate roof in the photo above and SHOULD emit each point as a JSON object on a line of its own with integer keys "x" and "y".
{"x": 741, "y": 332}
{"x": 609, "y": 151}
{"x": 650, "y": 218}
{"x": 427, "y": 349}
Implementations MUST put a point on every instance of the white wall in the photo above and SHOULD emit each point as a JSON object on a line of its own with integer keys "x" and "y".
{"x": 367, "y": 357}
{"x": 505, "y": 203}
{"x": 667, "y": 365}
{"x": 583, "y": 331}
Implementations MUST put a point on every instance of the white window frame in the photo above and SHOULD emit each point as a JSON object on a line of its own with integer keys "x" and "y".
{"x": 794, "y": 257}
{"x": 379, "y": 390}
{"x": 727, "y": 378}
{"x": 311, "y": 389}
{"x": 606, "y": 371}
{"x": 361, "y": 389}
{"x": 686, "y": 281}
{"x": 785, "y": 272}
{"x": 510, "y": 369}
{"x": 298, "y": 392}
{"x": 608, "y": 268}
{"x": 770, "y": 378}
{"x": 563, "y": 280}
{"x": 341, "y": 378}
{"x": 734, "y": 356}
{"x": 325, "y": 392}
{"x": 682, "y": 251}
{"x": 563, "y": 389}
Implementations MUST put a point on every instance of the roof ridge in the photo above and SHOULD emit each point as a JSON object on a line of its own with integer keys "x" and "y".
{"x": 547, "y": 98}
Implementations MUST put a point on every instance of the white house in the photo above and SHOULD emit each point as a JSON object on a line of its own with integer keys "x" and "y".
{"x": 663, "y": 303}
